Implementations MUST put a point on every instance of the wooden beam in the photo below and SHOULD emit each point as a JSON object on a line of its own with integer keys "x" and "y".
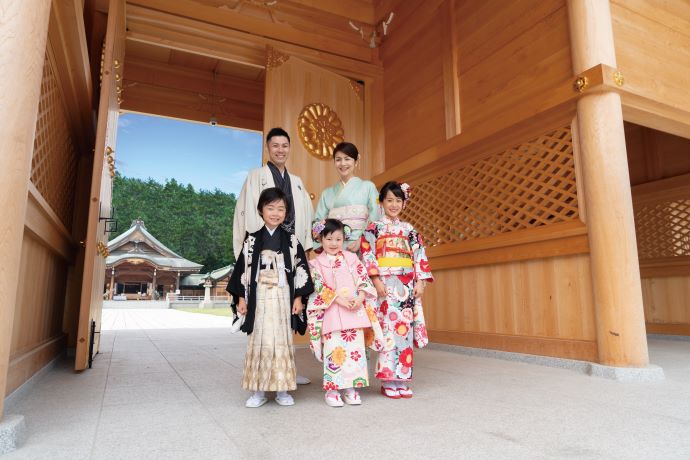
{"x": 668, "y": 328}
{"x": 218, "y": 42}
{"x": 664, "y": 267}
{"x": 673, "y": 188}
{"x": 451, "y": 82}
{"x": 583, "y": 350}
{"x": 356, "y": 10}
{"x": 281, "y": 32}
{"x": 67, "y": 40}
{"x": 654, "y": 114}
{"x": 46, "y": 226}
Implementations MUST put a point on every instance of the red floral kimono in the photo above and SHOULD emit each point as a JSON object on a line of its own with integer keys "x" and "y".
{"x": 394, "y": 251}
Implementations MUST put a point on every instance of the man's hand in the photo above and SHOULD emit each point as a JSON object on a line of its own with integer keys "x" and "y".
{"x": 242, "y": 306}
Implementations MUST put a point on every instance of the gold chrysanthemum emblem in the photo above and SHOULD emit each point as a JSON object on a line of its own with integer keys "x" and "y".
{"x": 320, "y": 130}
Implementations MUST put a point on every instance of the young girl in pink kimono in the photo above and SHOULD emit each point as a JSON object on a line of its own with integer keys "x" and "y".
{"x": 341, "y": 316}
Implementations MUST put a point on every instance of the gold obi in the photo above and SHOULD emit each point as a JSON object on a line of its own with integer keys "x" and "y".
{"x": 393, "y": 251}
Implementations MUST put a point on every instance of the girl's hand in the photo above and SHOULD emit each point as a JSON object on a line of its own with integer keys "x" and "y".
{"x": 354, "y": 246}
{"x": 358, "y": 301}
{"x": 380, "y": 287}
{"x": 297, "y": 306}
{"x": 242, "y": 307}
{"x": 343, "y": 302}
{"x": 418, "y": 290}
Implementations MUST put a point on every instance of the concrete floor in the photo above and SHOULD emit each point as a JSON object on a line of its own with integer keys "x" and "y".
{"x": 158, "y": 393}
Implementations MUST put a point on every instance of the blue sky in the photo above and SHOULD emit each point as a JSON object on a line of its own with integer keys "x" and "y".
{"x": 208, "y": 157}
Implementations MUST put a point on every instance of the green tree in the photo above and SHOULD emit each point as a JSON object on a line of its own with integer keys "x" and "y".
{"x": 195, "y": 224}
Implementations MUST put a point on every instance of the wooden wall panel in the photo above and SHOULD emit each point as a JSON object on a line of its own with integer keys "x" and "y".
{"x": 414, "y": 105}
{"x": 653, "y": 48}
{"x": 543, "y": 298}
{"x": 654, "y": 155}
{"x": 509, "y": 55}
{"x": 39, "y": 310}
{"x": 666, "y": 305}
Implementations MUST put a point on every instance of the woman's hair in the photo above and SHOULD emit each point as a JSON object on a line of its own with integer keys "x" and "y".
{"x": 270, "y": 195}
{"x": 330, "y": 226}
{"x": 348, "y": 149}
{"x": 276, "y": 132}
{"x": 393, "y": 187}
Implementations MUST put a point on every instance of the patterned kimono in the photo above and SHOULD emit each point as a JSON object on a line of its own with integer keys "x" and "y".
{"x": 394, "y": 251}
{"x": 270, "y": 273}
{"x": 338, "y": 335}
{"x": 354, "y": 204}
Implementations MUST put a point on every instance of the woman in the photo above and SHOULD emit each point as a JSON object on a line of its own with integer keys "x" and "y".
{"x": 352, "y": 200}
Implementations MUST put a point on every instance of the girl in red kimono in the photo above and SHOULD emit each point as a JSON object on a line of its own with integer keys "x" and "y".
{"x": 393, "y": 253}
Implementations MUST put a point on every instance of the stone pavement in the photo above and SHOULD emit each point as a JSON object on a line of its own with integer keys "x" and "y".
{"x": 166, "y": 393}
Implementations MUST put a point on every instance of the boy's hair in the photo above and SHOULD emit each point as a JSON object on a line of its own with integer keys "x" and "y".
{"x": 270, "y": 195}
{"x": 348, "y": 149}
{"x": 393, "y": 187}
{"x": 330, "y": 226}
{"x": 276, "y": 132}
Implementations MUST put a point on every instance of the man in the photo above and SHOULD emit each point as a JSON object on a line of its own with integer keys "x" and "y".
{"x": 274, "y": 174}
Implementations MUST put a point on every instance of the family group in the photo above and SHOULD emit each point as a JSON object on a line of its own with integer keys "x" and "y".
{"x": 351, "y": 276}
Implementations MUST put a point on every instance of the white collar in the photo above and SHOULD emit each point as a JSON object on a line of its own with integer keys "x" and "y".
{"x": 271, "y": 232}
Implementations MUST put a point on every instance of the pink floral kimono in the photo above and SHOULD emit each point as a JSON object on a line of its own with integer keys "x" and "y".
{"x": 338, "y": 336}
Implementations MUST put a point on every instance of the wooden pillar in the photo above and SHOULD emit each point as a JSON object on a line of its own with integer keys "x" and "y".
{"x": 112, "y": 283}
{"x": 177, "y": 284}
{"x": 621, "y": 335}
{"x": 24, "y": 31}
{"x": 155, "y": 282}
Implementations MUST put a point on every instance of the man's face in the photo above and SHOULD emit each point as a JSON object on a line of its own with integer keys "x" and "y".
{"x": 279, "y": 150}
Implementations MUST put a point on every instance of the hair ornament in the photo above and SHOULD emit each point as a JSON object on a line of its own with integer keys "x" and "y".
{"x": 317, "y": 228}
{"x": 347, "y": 231}
{"x": 407, "y": 191}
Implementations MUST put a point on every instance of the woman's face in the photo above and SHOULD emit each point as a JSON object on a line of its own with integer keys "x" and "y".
{"x": 333, "y": 242}
{"x": 345, "y": 165}
{"x": 273, "y": 213}
{"x": 392, "y": 205}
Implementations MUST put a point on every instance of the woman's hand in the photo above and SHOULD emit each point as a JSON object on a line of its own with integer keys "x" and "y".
{"x": 242, "y": 307}
{"x": 297, "y": 306}
{"x": 354, "y": 246}
{"x": 380, "y": 287}
{"x": 418, "y": 290}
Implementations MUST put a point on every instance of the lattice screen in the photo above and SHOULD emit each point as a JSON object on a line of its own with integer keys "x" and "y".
{"x": 54, "y": 164}
{"x": 528, "y": 186}
{"x": 663, "y": 229}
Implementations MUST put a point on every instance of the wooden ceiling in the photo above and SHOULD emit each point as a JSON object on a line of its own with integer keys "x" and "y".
{"x": 202, "y": 59}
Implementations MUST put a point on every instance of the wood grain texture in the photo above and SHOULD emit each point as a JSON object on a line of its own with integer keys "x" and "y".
{"x": 40, "y": 301}
{"x": 101, "y": 184}
{"x": 666, "y": 301}
{"x": 295, "y": 84}
{"x": 548, "y": 298}
{"x": 414, "y": 91}
{"x": 509, "y": 56}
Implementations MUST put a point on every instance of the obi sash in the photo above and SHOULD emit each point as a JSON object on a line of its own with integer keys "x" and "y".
{"x": 393, "y": 251}
{"x": 355, "y": 215}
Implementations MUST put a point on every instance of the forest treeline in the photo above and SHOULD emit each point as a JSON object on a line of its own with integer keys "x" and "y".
{"x": 196, "y": 224}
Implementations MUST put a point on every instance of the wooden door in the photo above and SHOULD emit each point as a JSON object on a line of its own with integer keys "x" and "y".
{"x": 96, "y": 240}
{"x": 293, "y": 84}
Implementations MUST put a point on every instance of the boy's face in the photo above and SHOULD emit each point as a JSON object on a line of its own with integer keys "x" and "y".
{"x": 278, "y": 150}
{"x": 333, "y": 242}
{"x": 273, "y": 213}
